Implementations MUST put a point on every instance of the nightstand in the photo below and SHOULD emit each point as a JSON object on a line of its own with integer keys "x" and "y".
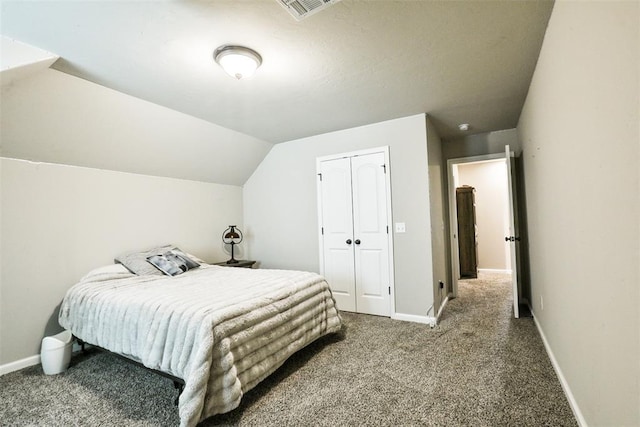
{"x": 243, "y": 263}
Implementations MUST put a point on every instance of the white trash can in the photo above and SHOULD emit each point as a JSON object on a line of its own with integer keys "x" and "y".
{"x": 55, "y": 354}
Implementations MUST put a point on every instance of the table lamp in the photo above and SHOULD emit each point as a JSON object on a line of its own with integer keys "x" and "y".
{"x": 232, "y": 236}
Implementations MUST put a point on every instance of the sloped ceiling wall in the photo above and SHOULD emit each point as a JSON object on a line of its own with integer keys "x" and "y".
{"x": 19, "y": 60}
{"x": 53, "y": 117}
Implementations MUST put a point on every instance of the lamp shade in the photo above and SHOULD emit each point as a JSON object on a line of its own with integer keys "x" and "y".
{"x": 237, "y": 61}
{"x": 232, "y": 235}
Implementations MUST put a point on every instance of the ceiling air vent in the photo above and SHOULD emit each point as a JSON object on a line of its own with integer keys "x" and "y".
{"x": 300, "y": 9}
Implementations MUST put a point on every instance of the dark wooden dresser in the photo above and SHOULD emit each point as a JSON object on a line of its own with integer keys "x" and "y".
{"x": 467, "y": 237}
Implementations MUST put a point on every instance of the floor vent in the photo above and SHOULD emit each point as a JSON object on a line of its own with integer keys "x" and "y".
{"x": 300, "y": 9}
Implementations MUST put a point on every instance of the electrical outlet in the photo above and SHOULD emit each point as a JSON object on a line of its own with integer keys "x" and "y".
{"x": 441, "y": 284}
{"x": 400, "y": 227}
{"x": 541, "y": 303}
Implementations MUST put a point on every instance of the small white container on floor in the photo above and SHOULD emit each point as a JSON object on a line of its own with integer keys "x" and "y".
{"x": 55, "y": 354}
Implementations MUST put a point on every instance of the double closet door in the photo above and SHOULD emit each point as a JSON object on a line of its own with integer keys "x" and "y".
{"x": 354, "y": 238}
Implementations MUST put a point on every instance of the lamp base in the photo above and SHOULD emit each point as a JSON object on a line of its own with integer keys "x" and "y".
{"x": 233, "y": 261}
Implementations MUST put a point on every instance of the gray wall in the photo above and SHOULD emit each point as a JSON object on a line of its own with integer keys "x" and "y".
{"x": 437, "y": 202}
{"x": 480, "y": 144}
{"x": 280, "y": 204}
{"x": 580, "y": 141}
{"x": 59, "y": 222}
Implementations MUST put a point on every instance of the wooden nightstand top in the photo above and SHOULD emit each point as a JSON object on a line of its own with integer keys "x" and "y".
{"x": 244, "y": 263}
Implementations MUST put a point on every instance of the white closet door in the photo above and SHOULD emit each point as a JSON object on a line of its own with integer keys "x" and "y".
{"x": 370, "y": 234}
{"x": 337, "y": 220}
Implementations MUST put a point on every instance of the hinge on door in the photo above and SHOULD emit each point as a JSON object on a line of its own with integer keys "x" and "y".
{"x": 384, "y": 167}
{"x": 389, "y": 290}
{"x": 322, "y": 230}
{"x": 320, "y": 175}
{"x": 387, "y": 229}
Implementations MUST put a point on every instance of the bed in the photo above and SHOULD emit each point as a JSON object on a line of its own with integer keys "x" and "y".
{"x": 221, "y": 330}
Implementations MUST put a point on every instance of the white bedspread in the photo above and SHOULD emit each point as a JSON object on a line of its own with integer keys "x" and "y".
{"x": 221, "y": 329}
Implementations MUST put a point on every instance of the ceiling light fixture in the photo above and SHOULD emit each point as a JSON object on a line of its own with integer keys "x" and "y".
{"x": 463, "y": 127}
{"x": 237, "y": 61}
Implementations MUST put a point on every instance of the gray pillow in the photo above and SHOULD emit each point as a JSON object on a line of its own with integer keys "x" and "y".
{"x": 136, "y": 262}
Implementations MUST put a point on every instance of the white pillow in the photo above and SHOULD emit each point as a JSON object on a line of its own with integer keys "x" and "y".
{"x": 108, "y": 270}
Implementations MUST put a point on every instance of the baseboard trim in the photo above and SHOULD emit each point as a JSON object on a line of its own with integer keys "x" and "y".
{"x": 427, "y": 320}
{"x": 19, "y": 364}
{"x": 493, "y": 270}
{"x": 33, "y": 360}
{"x": 563, "y": 381}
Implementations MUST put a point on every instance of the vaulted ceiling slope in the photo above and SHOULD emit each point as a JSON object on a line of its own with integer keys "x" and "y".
{"x": 19, "y": 60}
{"x": 354, "y": 63}
{"x": 52, "y": 117}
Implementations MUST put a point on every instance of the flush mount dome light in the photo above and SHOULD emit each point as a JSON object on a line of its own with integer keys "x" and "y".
{"x": 464, "y": 127}
{"x": 237, "y": 61}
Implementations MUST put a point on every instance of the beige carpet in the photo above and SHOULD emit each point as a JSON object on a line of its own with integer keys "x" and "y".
{"x": 478, "y": 367}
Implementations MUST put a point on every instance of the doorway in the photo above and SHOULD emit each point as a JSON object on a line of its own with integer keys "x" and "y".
{"x": 487, "y": 176}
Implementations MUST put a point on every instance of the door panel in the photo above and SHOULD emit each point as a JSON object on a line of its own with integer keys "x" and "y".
{"x": 371, "y": 282}
{"x": 513, "y": 233}
{"x": 366, "y": 198}
{"x": 337, "y": 221}
{"x": 370, "y": 230}
{"x": 336, "y": 184}
{"x": 339, "y": 272}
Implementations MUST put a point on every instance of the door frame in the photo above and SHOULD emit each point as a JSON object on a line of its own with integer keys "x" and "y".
{"x": 387, "y": 178}
{"x": 453, "y": 217}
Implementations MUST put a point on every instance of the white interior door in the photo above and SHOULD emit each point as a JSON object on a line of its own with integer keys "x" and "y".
{"x": 337, "y": 231}
{"x": 370, "y": 234}
{"x": 513, "y": 237}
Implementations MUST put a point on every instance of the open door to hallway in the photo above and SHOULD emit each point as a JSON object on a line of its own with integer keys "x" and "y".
{"x": 514, "y": 236}
{"x": 497, "y": 238}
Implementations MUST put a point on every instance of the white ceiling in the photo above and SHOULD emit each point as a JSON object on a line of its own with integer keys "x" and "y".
{"x": 355, "y": 63}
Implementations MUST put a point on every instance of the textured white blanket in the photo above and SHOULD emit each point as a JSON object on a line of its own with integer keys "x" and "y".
{"x": 222, "y": 330}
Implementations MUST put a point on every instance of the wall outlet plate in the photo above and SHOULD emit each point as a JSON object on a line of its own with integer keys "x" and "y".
{"x": 400, "y": 227}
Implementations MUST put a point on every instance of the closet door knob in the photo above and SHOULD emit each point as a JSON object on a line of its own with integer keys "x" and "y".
{"x": 348, "y": 241}
{"x": 357, "y": 242}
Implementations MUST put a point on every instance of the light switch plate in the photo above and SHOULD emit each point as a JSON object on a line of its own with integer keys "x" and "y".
{"x": 400, "y": 227}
